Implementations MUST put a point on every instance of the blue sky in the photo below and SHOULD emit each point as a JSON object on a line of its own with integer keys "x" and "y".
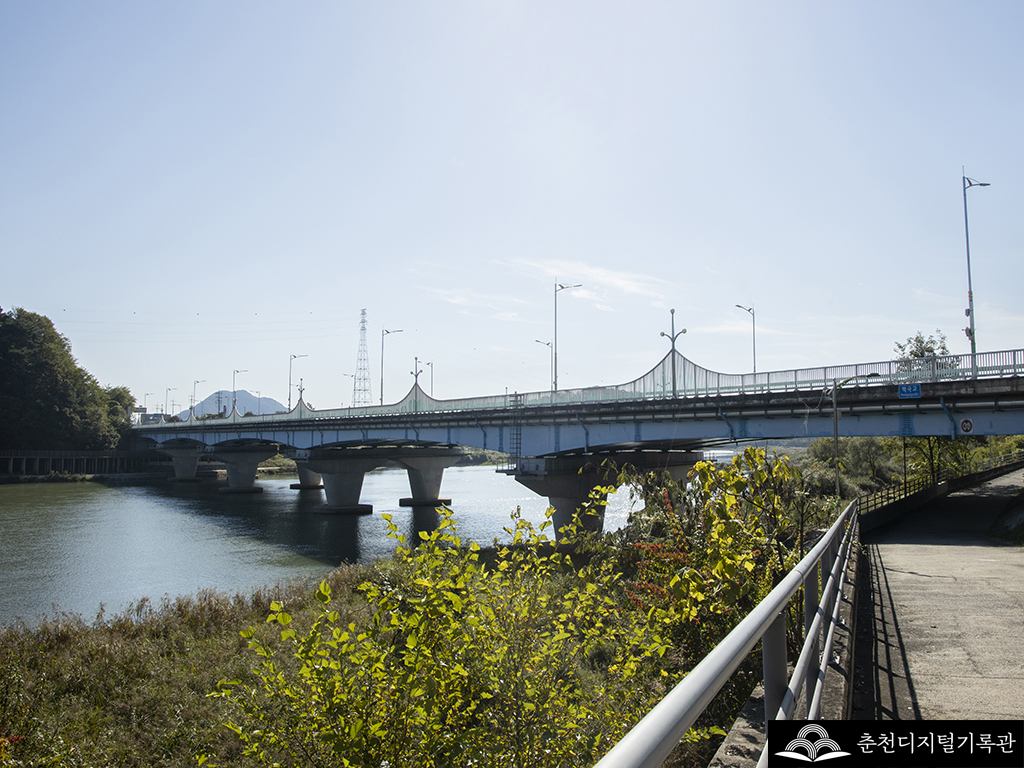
{"x": 188, "y": 189}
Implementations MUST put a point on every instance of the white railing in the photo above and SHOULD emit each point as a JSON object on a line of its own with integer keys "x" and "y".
{"x": 649, "y": 743}
{"x": 690, "y": 381}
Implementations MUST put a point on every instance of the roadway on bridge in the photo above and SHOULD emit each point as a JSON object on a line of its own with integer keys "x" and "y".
{"x": 941, "y": 611}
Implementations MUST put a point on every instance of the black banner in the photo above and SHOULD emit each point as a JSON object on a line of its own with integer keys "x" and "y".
{"x": 897, "y": 743}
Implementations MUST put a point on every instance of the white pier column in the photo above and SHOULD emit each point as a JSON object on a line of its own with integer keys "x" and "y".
{"x": 425, "y": 474}
{"x": 308, "y": 479}
{"x": 567, "y": 493}
{"x": 343, "y": 481}
{"x": 185, "y": 461}
{"x": 241, "y": 463}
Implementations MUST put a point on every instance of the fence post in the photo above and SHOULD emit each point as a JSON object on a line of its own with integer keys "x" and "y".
{"x": 810, "y": 610}
{"x": 773, "y": 662}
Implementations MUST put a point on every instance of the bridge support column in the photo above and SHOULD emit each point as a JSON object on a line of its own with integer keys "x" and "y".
{"x": 343, "y": 481}
{"x": 185, "y": 461}
{"x": 308, "y": 479}
{"x": 241, "y": 463}
{"x": 569, "y": 482}
{"x": 425, "y": 474}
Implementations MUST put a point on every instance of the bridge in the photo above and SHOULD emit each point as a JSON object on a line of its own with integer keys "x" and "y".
{"x": 557, "y": 440}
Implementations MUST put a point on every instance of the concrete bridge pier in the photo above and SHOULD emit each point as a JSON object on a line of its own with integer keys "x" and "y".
{"x": 241, "y": 463}
{"x": 570, "y": 482}
{"x": 425, "y": 474}
{"x": 185, "y": 460}
{"x": 568, "y": 493}
{"x": 343, "y": 480}
{"x": 308, "y": 479}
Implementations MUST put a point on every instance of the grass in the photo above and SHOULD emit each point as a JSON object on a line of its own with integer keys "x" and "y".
{"x": 131, "y": 690}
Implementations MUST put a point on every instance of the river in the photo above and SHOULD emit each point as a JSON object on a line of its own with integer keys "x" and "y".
{"x": 73, "y": 546}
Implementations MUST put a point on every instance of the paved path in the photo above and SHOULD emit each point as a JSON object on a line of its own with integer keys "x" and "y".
{"x": 941, "y": 632}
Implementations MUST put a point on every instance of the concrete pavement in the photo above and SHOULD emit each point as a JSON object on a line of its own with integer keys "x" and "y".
{"x": 941, "y": 611}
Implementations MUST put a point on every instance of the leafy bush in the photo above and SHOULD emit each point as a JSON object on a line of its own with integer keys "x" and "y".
{"x": 527, "y": 662}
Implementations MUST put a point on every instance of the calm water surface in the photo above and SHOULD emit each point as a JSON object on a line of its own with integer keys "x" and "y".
{"x": 73, "y": 546}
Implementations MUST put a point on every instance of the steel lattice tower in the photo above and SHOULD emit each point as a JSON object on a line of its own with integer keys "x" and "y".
{"x": 361, "y": 394}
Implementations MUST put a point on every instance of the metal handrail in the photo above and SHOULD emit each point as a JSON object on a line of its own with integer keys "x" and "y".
{"x": 656, "y": 735}
{"x": 692, "y": 381}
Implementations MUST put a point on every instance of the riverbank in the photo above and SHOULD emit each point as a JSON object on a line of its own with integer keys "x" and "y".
{"x": 127, "y": 478}
{"x": 134, "y": 689}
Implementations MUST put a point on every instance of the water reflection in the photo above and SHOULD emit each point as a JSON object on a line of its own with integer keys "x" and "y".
{"x": 77, "y": 545}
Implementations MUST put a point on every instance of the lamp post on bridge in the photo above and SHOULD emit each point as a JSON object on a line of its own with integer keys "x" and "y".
{"x": 192, "y": 408}
{"x": 753, "y": 332}
{"x": 835, "y": 420}
{"x": 290, "y": 359}
{"x": 673, "y": 338}
{"x": 970, "y": 329}
{"x": 416, "y": 371}
{"x": 166, "y": 393}
{"x": 551, "y": 367}
{"x": 554, "y": 349}
{"x": 234, "y": 391}
{"x": 384, "y": 332}
{"x": 431, "y": 366}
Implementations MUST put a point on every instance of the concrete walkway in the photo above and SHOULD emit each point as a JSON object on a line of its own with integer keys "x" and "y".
{"x": 940, "y": 630}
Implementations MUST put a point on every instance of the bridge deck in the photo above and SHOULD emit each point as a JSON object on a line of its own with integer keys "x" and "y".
{"x": 940, "y": 609}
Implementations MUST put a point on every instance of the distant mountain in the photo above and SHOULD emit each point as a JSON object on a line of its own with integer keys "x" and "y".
{"x": 220, "y": 402}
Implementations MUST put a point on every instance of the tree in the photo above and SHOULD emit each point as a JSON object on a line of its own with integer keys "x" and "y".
{"x": 46, "y": 400}
{"x": 919, "y": 346}
{"x": 928, "y": 458}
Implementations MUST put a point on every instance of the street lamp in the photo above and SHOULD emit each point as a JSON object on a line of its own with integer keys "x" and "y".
{"x": 551, "y": 367}
{"x": 673, "y": 338}
{"x": 384, "y": 332}
{"x": 169, "y": 390}
{"x": 970, "y": 330}
{"x": 192, "y": 409}
{"x": 431, "y": 366}
{"x": 234, "y": 391}
{"x": 835, "y": 420}
{"x": 554, "y": 349}
{"x": 416, "y": 371}
{"x": 290, "y": 358}
{"x": 753, "y": 332}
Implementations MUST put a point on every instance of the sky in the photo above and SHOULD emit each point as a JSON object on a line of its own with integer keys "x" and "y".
{"x": 192, "y": 189}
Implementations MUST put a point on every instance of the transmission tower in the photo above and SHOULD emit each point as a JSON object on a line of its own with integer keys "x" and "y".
{"x": 361, "y": 394}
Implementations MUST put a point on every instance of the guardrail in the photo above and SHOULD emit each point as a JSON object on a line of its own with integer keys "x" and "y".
{"x": 656, "y": 735}
{"x": 871, "y": 501}
{"x": 676, "y": 377}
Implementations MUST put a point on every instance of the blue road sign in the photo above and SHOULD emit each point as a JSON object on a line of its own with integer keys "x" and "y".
{"x": 908, "y": 391}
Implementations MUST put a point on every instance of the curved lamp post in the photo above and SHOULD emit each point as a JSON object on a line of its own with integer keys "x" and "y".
{"x": 192, "y": 409}
{"x": 673, "y": 338}
{"x": 554, "y": 349}
{"x": 384, "y": 332}
{"x": 234, "y": 391}
{"x": 970, "y": 330}
{"x": 753, "y": 332}
{"x": 290, "y": 358}
{"x": 551, "y": 367}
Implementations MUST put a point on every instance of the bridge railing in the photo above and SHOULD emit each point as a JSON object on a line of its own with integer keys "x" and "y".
{"x": 656, "y": 735}
{"x": 677, "y": 377}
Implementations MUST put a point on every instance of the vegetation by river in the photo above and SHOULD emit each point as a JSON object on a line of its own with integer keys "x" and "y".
{"x": 445, "y": 654}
